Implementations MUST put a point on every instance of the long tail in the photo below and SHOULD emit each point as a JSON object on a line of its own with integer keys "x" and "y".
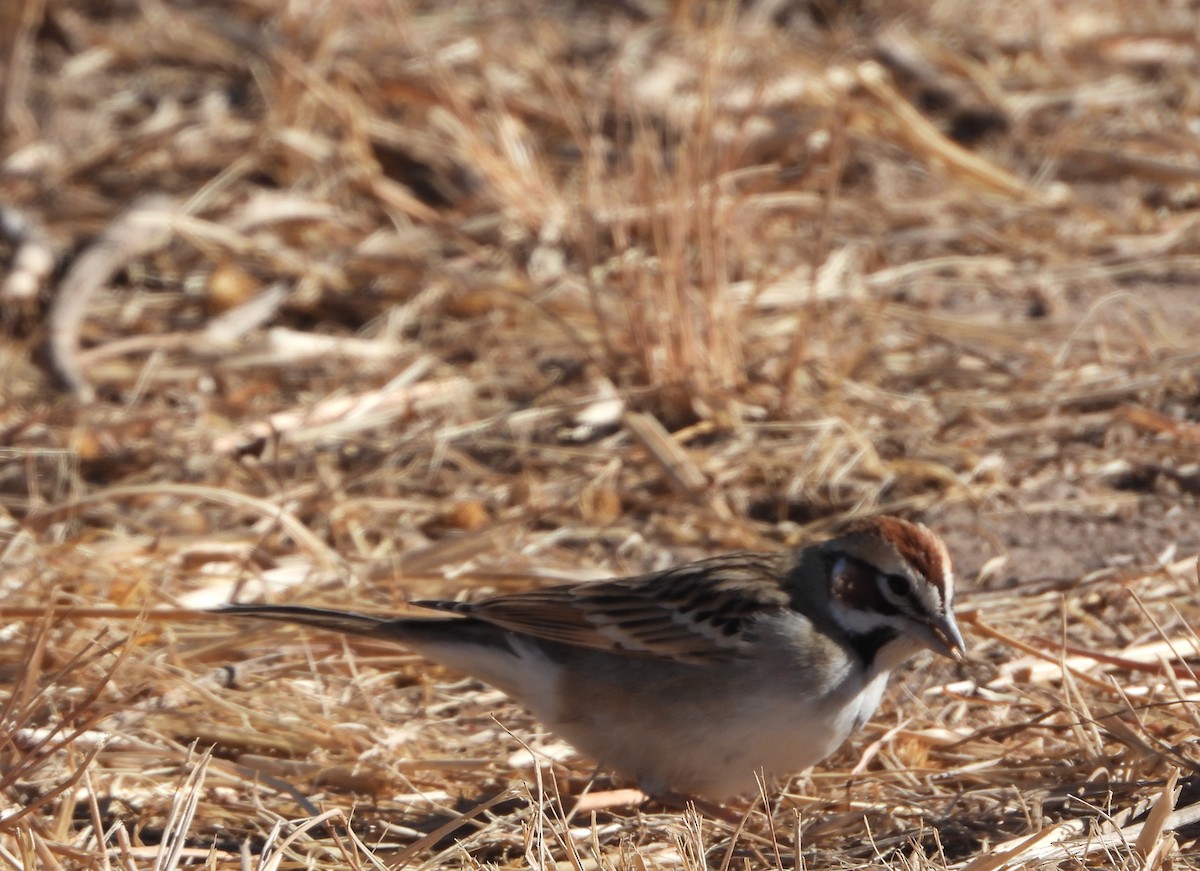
{"x": 463, "y": 643}
{"x": 415, "y": 632}
{"x": 337, "y": 621}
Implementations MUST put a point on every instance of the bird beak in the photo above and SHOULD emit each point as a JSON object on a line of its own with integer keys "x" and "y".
{"x": 940, "y": 634}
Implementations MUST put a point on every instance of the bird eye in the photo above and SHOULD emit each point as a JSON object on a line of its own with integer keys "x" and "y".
{"x": 898, "y": 584}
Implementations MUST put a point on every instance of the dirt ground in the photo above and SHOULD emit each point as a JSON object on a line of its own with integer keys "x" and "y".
{"x": 363, "y": 302}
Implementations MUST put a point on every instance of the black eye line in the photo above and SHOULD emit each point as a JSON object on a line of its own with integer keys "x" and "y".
{"x": 883, "y": 604}
{"x": 899, "y": 584}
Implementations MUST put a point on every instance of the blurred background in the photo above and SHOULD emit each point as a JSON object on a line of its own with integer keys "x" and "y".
{"x": 352, "y": 302}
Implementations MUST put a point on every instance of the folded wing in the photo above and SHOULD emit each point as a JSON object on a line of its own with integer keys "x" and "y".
{"x": 695, "y": 613}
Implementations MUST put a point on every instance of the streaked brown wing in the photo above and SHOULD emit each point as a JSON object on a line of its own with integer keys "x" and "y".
{"x": 692, "y": 613}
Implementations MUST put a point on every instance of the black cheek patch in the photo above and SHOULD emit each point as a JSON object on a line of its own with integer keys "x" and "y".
{"x": 856, "y": 585}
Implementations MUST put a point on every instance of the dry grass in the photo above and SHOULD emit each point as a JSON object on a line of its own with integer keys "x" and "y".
{"x": 364, "y": 301}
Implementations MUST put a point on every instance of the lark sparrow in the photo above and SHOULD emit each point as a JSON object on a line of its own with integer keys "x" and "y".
{"x": 694, "y": 679}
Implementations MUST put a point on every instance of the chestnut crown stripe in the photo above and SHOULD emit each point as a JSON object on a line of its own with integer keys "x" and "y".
{"x": 920, "y": 548}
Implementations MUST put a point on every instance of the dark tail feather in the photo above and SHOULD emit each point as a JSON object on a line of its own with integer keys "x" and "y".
{"x": 336, "y": 621}
{"x": 415, "y": 632}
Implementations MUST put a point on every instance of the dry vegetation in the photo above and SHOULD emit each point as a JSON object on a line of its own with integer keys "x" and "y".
{"x": 351, "y": 301}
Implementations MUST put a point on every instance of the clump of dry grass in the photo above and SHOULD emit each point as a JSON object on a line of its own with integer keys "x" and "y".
{"x": 379, "y": 301}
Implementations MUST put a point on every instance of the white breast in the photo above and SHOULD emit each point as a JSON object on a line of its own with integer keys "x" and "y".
{"x": 708, "y": 732}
